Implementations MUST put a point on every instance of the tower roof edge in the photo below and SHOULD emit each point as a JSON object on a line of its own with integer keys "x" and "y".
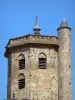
{"x": 64, "y": 24}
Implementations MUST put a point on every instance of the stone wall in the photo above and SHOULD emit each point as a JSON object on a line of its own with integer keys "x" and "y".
{"x": 40, "y": 84}
{"x": 44, "y": 82}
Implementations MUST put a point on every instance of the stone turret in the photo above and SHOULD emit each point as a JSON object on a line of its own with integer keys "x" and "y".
{"x": 64, "y": 61}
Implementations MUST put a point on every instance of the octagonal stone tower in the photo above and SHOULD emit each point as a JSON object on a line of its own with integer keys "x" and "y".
{"x": 36, "y": 70}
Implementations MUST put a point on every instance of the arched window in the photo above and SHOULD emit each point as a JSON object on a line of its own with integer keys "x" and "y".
{"x": 21, "y": 81}
{"x": 21, "y": 62}
{"x": 42, "y": 61}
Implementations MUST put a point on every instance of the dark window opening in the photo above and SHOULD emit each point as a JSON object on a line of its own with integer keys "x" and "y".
{"x": 21, "y": 61}
{"x": 22, "y": 64}
{"x": 42, "y": 63}
{"x": 21, "y": 83}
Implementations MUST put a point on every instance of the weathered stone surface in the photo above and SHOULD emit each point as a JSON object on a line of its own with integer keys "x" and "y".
{"x": 52, "y": 83}
{"x": 40, "y": 83}
{"x": 64, "y": 63}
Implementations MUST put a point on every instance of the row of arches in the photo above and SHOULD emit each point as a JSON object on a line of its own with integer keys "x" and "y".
{"x": 42, "y": 60}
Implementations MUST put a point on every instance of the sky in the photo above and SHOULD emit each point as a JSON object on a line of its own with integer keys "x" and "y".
{"x": 17, "y": 18}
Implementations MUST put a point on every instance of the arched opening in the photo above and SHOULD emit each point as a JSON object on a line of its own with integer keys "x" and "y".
{"x": 21, "y": 81}
{"x": 21, "y": 62}
{"x": 42, "y": 61}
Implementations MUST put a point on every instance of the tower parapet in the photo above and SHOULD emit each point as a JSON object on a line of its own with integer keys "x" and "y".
{"x": 31, "y": 40}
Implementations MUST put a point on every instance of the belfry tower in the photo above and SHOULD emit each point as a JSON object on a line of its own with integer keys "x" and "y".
{"x": 39, "y": 66}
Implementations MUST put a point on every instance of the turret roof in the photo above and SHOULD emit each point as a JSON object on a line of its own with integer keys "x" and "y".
{"x": 64, "y": 24}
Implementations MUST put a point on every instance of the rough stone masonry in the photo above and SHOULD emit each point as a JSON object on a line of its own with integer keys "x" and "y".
{"x": 39, "y": 66}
